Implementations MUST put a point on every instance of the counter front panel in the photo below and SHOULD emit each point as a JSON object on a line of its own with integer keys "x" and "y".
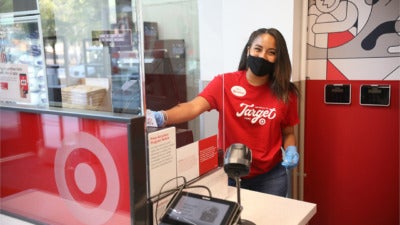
{"x": 60, "y": 169}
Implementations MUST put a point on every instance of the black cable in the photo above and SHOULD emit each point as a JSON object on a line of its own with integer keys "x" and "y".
{"x": 201, "y": 186}
{"x": 158, "y": 196}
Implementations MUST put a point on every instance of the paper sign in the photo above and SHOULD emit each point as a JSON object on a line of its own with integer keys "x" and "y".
{"x": 14, "y": 83}
{"x": 208, "y": 154}
{"x": 188, "y": 161}
{"x": 162, "y": 159}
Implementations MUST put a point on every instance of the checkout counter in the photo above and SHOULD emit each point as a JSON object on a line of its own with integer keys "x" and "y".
{"x": 75, "y": 167}
{"x": 258, "y": 208}
{"x": 69, "y": 166}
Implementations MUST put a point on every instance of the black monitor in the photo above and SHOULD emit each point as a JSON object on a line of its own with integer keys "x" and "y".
{"x": 191, "y": 208}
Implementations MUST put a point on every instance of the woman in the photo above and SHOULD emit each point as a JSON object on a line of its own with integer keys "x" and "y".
{"x": 257, "y": 107}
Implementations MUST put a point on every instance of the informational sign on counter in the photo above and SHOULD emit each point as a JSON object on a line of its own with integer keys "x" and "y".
{"x": 188, "y": 161}
{"x": 162, "y": 159}
{"x": 166, "y": 162}
{"x": 14, "y": 83}
{"x": 197, "y": 158}
{"x": 208, "y": 154}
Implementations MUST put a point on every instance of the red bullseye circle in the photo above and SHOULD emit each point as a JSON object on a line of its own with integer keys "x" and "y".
{"x": 86, "y": 153}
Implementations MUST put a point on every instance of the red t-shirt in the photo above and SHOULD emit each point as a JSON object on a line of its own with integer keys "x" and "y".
{"x": 250, "y": 115}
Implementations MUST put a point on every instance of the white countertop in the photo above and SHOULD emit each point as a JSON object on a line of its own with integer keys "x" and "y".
{"x": 261, "y": 208}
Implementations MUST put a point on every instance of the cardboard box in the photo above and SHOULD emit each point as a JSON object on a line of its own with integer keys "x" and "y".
{"x": 83, "y": 97}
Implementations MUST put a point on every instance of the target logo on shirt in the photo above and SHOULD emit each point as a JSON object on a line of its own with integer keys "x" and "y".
{"x": 256, "y": 114}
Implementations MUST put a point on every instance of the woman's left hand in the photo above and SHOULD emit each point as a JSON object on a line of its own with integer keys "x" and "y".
{"x": 291, "y": 157}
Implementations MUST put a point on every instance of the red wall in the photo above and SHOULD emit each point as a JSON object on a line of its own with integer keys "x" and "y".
{"x": 352, "y": 157}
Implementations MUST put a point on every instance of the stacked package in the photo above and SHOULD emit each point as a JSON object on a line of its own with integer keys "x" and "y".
{"x": 83, "y": 97}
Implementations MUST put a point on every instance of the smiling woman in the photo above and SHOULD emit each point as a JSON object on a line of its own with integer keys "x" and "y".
{"x": 257, "y": 102}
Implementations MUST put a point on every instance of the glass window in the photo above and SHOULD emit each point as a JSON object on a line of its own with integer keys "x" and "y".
{"x": 88, "y": 55}
{"x": 17, "y": 7}
{"x": 171, "y": 54}
{"x": 92, "y": 57}
{"x": 22, "y": 76}
{"x": 82, "y": 54}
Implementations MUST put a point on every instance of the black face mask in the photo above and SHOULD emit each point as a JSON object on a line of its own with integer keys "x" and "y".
{"x": 260, "y": 66}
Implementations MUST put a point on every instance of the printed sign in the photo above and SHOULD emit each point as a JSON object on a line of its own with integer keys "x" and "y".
{"x": 14, "y": 83}
{"x": 113, "y": 38}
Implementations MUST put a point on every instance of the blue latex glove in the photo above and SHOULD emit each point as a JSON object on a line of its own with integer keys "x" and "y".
{"x": 291, "y": 158}
{"x": 154, "y": 118}
{"x": 159, "y": 116}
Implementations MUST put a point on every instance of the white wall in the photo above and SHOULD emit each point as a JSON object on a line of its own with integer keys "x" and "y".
{"x": 225, "y": 25}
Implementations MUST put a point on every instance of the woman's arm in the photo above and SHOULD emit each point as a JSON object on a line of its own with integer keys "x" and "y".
{"x": 186, "y": 111}
{"x": 289, "y": 138}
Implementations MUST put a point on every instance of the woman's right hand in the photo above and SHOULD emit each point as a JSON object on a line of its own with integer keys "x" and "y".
{"x": 155, "y": 118}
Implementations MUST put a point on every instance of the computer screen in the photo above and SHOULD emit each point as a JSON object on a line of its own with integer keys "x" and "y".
{"x": 190, "y": 208}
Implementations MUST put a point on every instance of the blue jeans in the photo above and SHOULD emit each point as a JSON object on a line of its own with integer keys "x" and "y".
{"x": 272, "y": 182}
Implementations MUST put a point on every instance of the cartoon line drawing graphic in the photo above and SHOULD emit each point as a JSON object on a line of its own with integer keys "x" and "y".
{"x": 353, "y": 40}
{"x": 329, "y": 18}
{"x": 85, "y": 178}
{"x": 387, "y": 27}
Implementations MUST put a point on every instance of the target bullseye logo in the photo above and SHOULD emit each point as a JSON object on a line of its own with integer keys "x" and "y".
{"x": 87, "y": 178}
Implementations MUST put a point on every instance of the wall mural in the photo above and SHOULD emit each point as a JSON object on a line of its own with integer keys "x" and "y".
{"x": 353, "y": 40}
